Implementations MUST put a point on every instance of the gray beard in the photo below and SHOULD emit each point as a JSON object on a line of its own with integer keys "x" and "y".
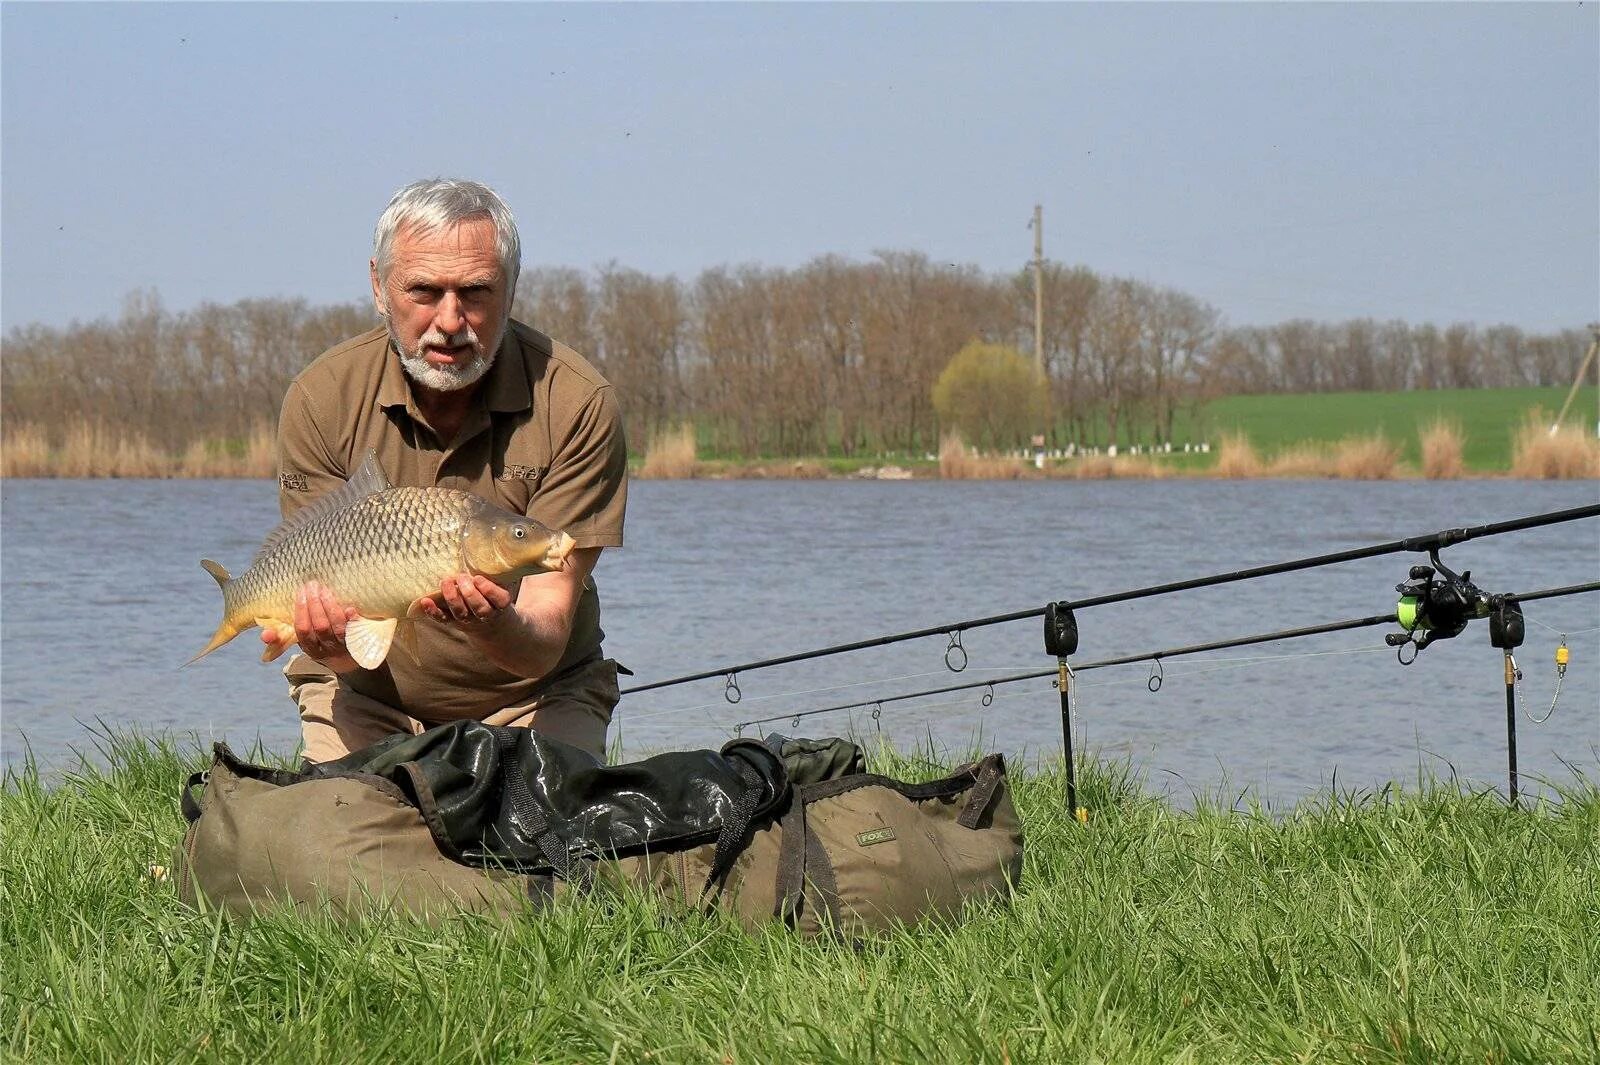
{"x": 443, "y": 378}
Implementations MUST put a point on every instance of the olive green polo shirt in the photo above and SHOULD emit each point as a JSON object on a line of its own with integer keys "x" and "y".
{"x": 544, "y": 438}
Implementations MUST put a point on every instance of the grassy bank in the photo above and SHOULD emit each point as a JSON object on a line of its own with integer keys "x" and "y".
{"x": 1429, "y": 925}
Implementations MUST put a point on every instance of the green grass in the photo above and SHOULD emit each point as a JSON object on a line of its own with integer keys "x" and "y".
{"x": 1488, "y": 417}
{"x": 1432, "y": 925}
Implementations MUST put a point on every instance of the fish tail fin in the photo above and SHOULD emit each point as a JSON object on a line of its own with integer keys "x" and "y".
{"x": 227, "y": 630}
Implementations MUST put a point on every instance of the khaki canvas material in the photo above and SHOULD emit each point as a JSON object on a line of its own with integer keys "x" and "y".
{"x": 544, "y": 439}
{"x": 853, "y": 856}
{"x": 574, "y": 707}
{"x": 352, "y": 846}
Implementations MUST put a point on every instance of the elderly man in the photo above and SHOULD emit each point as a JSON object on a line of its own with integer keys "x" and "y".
{"x": 451, "y": 391}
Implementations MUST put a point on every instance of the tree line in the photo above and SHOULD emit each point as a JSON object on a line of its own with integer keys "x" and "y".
{"x": 833, "y": 357}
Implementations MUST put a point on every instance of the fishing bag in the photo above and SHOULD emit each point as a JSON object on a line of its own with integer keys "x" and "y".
{"x": 468, "y": 816}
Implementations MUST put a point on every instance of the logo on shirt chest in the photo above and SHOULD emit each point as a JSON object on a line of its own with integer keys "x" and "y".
{"x": 293, "y": 481}
{"x": 513, "y": 472}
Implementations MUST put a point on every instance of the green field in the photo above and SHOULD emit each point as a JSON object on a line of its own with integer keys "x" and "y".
{"x": 1429, "y": 925}
{"x": 1488, "y": 417}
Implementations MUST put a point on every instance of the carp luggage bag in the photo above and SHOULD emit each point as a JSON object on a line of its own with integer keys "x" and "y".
{"x": 468, "y": 816}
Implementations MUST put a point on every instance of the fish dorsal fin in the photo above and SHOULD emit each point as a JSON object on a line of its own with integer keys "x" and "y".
{"x": 217, "y": 572}
{"x": 368, "y": 480}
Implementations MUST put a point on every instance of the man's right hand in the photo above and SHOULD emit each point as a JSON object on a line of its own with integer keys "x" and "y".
{"x": 319, "y": 623}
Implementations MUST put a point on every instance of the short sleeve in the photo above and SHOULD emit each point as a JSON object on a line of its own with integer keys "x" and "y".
{"x": 585, "y": 491}
{"x": 306, "y": 469}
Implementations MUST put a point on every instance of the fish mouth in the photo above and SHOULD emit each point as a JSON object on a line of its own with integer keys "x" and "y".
{"x": 561, "y": 545}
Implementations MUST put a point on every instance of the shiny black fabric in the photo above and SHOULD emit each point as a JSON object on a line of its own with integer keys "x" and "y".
{"x": 513, "y": 798}
{"x": 813, "y": 761}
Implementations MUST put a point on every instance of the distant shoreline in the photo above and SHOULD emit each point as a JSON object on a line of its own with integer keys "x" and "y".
{"x": 815, "y": 470}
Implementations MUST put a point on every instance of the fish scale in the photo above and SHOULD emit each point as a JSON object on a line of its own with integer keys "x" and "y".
{"x": 379, "y": 549}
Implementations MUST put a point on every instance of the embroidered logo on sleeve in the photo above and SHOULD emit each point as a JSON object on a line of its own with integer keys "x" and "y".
{"x": 293, "y": 481}
{"x": 513, "y": 472}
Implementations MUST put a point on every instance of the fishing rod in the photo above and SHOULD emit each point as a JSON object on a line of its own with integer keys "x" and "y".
{"x": 1434, "y": 605}
{"x": 1428, "y": 542}
{"x": 1123, "y": 660}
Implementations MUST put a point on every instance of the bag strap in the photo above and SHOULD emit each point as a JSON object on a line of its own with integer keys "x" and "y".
{"x": 574, "y": 871}
{"x": 802, "y": 859}
{"x": 791, "y": 861}
{"x": 541, "y": 891}
{"x": 990, "y": 772}
{"x": 735, "y": 827}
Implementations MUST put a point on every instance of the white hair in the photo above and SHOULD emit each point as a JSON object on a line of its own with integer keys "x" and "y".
{"x": 437, "y": 203}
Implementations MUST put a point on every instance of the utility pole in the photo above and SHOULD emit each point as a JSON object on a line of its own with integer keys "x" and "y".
{"x": 1038, "y": 288}
{"x": 1038, "y": 320}
{"x": 1577, "y": 380}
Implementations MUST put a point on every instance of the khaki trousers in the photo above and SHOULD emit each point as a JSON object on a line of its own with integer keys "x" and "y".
{"x": 575, "y": 708}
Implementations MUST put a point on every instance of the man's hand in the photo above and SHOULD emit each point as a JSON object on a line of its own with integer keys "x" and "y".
{"x": 524, "y": 633}
{"x": 319, "y": 623}
{"x": 468, "y": 601}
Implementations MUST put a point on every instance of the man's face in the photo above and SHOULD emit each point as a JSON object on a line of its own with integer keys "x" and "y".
{"x": 445, "y": 303}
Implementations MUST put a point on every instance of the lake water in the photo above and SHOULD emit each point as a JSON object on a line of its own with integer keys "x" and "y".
{"x": 103, "y": 598}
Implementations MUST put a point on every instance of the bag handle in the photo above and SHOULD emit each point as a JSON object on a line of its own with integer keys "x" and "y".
{"x": 191, "y": 805}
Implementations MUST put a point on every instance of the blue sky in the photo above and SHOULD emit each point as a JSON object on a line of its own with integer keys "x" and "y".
{"x": 1428, "y": 162}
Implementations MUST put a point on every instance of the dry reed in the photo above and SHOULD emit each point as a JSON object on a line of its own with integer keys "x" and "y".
{"x": 1303, "y": 460}
{"x": 1365, "y": 458}
{"x": 956, "y": 463}
{"x": 1236, "y": 457}
{"x": 1441, "y": 444}
{"x": 671, "y": 455}
{"x": 24, "y": 452}
{"x": 92, "y": 449}
{"x": 260, "y": 457}
{"x": 1106, "y": 468}
{"x": 1569, "y": 453}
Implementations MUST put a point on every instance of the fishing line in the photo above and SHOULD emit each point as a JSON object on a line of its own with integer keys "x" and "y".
{"x": 808, "y": 691}
{"x": 1219, "y": 666}
{"x": 1087, "y": 666}
{"x": 1561, "y": 631}
{"x": 1430, "y": 542}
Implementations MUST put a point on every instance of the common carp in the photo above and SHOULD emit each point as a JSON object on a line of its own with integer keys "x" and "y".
{"x": 379, "y": 549}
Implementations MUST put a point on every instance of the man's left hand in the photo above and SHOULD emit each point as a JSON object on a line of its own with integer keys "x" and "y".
{"x": 469, "y": 601}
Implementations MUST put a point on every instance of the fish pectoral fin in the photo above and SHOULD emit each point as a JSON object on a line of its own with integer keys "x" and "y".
{"x": 285, "y": 634}
{"x": 368, "y": 640}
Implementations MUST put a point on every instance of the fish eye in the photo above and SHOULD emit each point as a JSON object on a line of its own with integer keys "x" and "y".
{"x": 519, "y": 531}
